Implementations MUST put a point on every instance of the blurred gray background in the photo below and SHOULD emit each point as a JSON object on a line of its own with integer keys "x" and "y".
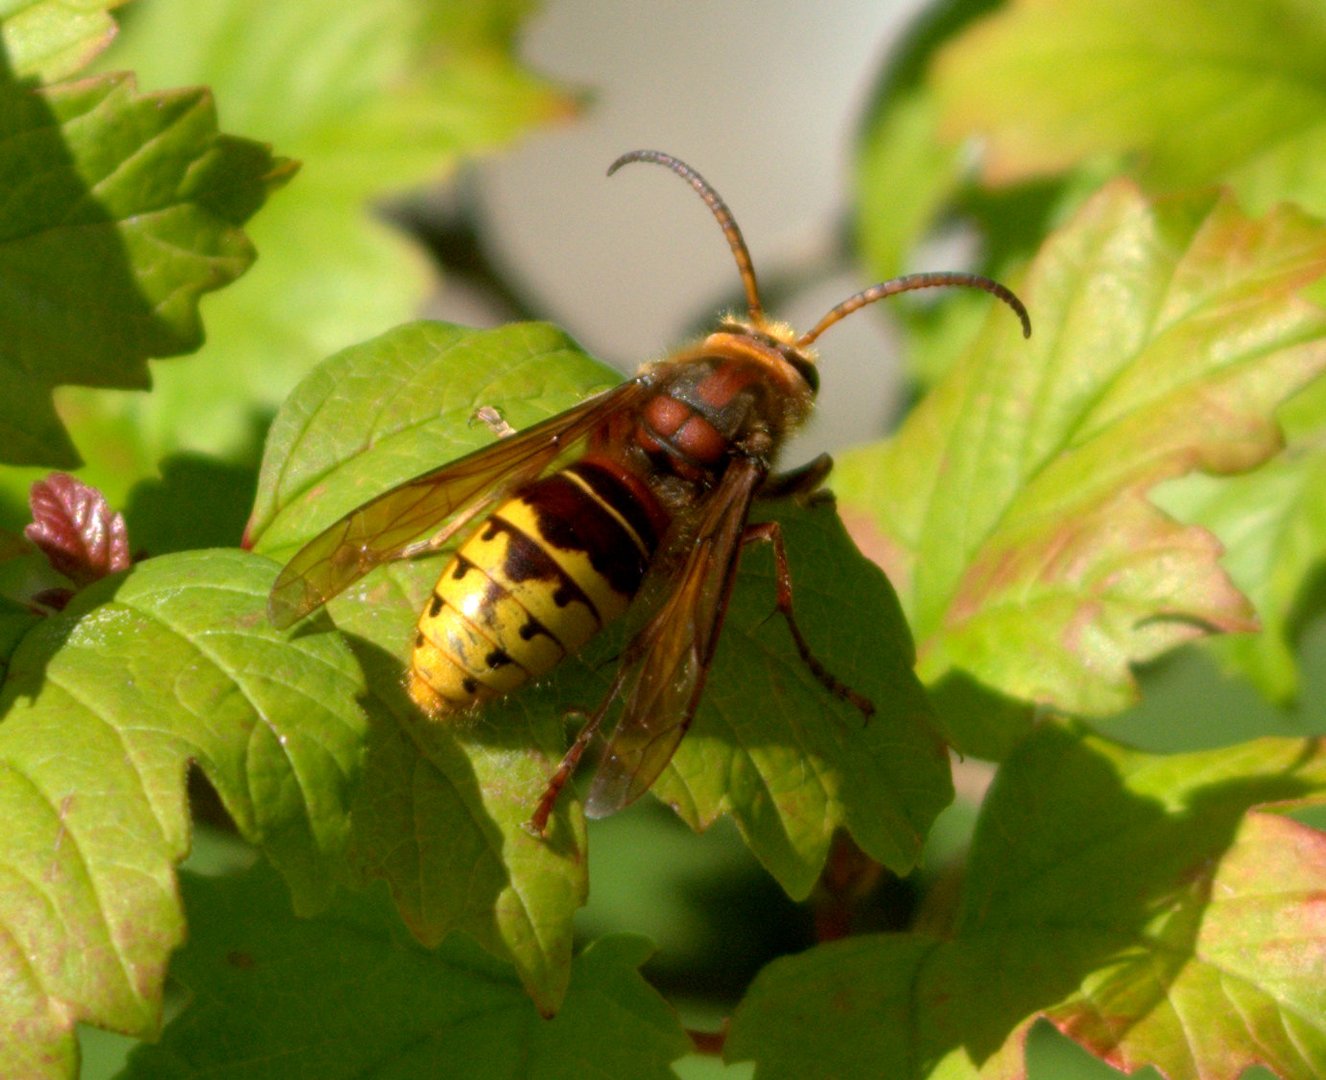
{"x": 764, "y": 100}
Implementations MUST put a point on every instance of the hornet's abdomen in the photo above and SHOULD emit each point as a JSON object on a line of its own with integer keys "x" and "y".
{"x": 541, "y": 576}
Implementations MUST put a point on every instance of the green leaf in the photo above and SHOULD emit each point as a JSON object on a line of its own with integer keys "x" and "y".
{"x": 373, "y": 98}
{"x": 443, "y": 807}
{"x": 105, "y": 706}
{"x": 1196, "y": 92}
{"x": 444, "y": 820}
{"x": 915, "y": 186}
{"x": 390, "y": 408}
{"x": 1011, "y": 513}
{"x": 1272, "y": 524}
{"x": 123, "y": 209}
{"x": 1139, "y": 902}
{"x": 54, "y": 38}
{"x": 774, "y": 749}
{"x": 344, "y": 995}
{"x": 905, "y": 176}
{"x": 15, "y": 622}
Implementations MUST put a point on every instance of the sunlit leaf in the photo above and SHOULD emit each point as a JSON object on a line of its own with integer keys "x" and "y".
{"x": 1273, "y": 526}
{"x": 1197, "y": 92}
{"x": 443, "y": 807}
{"x": 373, "y": 98}
{"x": 771, "y": 746}
{"x": 54, "y": 38}
{"x": 1011, "y": 510}
{"x": 104, "y": 708}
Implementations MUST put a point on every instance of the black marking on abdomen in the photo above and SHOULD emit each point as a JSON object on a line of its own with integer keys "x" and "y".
{"x": 527, "y": 561}
{"x": 612, "y": 491}
{"x": 572, "y": 519}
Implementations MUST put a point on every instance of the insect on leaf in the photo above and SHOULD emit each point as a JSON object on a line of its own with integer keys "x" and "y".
{"x": 442, "y": 806}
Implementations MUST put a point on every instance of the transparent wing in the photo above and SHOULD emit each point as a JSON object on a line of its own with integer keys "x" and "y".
{"x": 384, "y": 527}
{"x": 666, "y": 662}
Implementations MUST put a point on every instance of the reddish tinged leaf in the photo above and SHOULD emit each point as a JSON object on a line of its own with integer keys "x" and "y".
{"x": 1013, "y": 506}
{"x": 1157, "y": 909}
{"x": 77, "y": 531}
{"x": 1249, "y": 991}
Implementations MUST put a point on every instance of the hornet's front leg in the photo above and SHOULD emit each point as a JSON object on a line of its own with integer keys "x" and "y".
{"x": 803, "y": 483}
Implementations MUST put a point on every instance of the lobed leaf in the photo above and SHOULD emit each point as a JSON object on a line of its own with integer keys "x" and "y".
{"x": 373, "y": 98}
{"x": 123, "y": 209}
{"x": 444, "y": 806}
{"x": 1011, "y": 510}
{"x": 789, "y": 761}
{"x": 442, "y": 810}
{"x": 1196, "y": 92}
{"x": 105, "y": 706}
{"x": 1143, "y": 903}
{"x": 343, "y": 995}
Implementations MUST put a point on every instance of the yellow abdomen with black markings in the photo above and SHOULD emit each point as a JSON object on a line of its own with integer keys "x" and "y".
{"x": 541, "y": 576}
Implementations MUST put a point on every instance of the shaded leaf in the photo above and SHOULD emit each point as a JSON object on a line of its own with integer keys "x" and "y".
{"x": 905, "y": 179}
{"x": 194, "y": 502}
{"x": 25, "y": 574}
{"x": 77, "y": 531}
{"x": 1133, "y": 899}
{"x": 123, "y": 209}
{"x": 918, "y": 191}
{"x": 372, "y": 97}
{"x": 1011, "y": 511}
{"x": 1196, "y": 92}
{"x": 15, "y": 622}
{"x": 105, "y": 705}
{"x": 344, "y": 995}
{"x": 54, "y": 38}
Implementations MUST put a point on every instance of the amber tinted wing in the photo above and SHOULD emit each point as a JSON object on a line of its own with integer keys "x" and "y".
{"x": 666, "y": 662}
{"x": 381, "y": 529}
